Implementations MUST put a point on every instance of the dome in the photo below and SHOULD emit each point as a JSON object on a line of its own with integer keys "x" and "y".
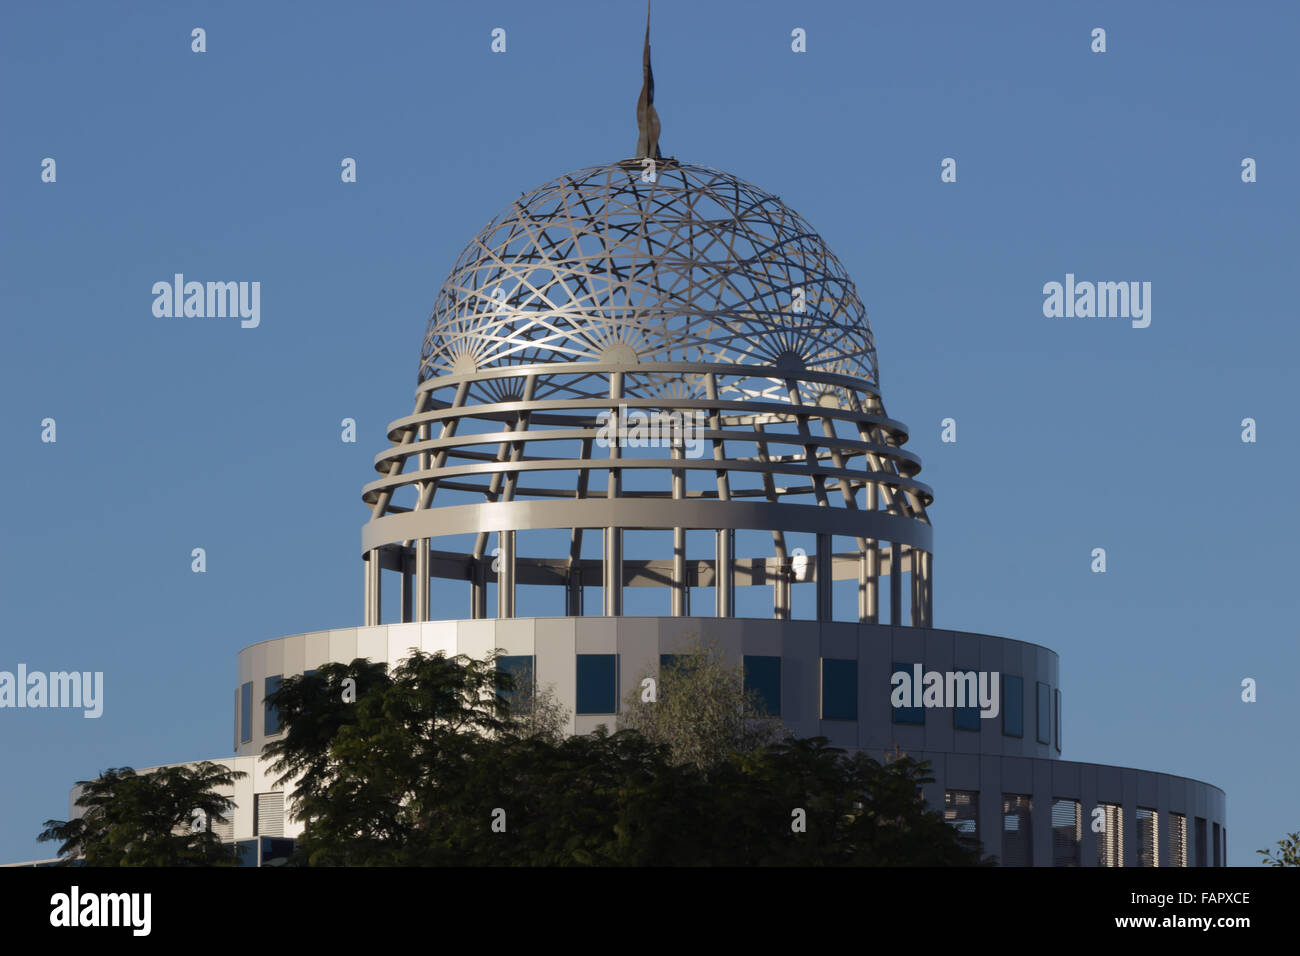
{"x": 602, "y": 265}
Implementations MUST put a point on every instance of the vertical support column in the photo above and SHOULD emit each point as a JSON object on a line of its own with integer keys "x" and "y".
{"x": 573, "y": 593}
{"x": 723, "y": 579}
{"x": 421, "y": 579}
{"x": 914, "y": 557}
{"x": 478, "y": 588}
{"x": 895, "y": 584}
{"x": 928, "y": 604}
{"x": 825, "y": 578}
{"x": 407, "y": 595}
{"x": 612, "y": 559}
{"x": 421, "y": 569}
{"x": 678, "y": 608}
{"x": 612, "y": 580}
{"x": 373, "y": 602}
{"x": 869, "y": 572}
{"x": 679, "y": 573}
{"x": 505, "y": 574}
{"x": 781, "y": 592}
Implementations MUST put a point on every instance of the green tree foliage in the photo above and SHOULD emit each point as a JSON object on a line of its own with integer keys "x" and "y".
{"x": 372, "y": 770}
{"x": 430, "y": 766}
{"x": 700, "y": 709}
{"x": 147, "y": 819}
{"x": 1287, "y": 852}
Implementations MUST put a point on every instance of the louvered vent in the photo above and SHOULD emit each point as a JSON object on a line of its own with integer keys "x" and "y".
{"x": 961, "y": 809}
{"x": 270, "y": 814}
{"x": 1177, "y": 839}
{"x": 225, "y": 832}
{"x": 1148, "y": 837}
{"x": 1110, "y": 841}
{"x": 1067, "y": 832}
{"x": 1017, "y": 830}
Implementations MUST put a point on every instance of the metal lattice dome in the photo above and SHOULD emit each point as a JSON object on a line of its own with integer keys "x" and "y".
{"x": 681, "y": 263}
{"x": 648, "y": 347}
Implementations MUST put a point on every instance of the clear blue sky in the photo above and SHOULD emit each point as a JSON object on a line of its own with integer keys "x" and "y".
{"x": 1072, "y": 433}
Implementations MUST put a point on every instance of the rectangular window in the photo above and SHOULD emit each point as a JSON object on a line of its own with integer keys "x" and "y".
{"x": 246, "y": 851}
{"x": 961, "y": 810}
{"x": 1056, "y": 722}
{"x": 1177, "y": 839}
{"x": 968, "y": 717}
{"x": 839, "y": 689}
{"x": 520, "y": 668}
{"x": 268, "y": 814}
{"x": 763, "y": 677}
{"x": 1067, "y": 832}
{"x": 271, "y": 718}
{"x": 1017, "y": 830}
{"x": 1148, "y": 837}
{"x": 906, "y": 714}
{"x": 1218, "y": 859}
{"x": 1044, "y": 713}
{"x": 1201, "y": 855}
{"x": 597, "y": 684}
{"x": 246, "y": 713}
{"x": 1013, "y": 705}
{"x": 1110, "y": 840}
{"x": 225, "y": 831}
{"x": 236, "y": 718}
{"x": 276, "y": 851}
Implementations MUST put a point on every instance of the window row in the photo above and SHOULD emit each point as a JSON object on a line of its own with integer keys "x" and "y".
{"x": 1105, "y": 822}
{"x": 1011, "y": 705}
{"x": 597, "y": 693}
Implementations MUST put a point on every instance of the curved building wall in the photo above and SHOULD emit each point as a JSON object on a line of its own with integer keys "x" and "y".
{"x": 1013, "y": 793}
{"x": 850, "y": 706}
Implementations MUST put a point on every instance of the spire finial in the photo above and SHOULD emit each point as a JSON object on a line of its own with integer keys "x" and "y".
{"x": 647, "y": 119}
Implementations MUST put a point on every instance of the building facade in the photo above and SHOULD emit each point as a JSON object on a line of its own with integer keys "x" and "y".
{"x": 648, "y": 412}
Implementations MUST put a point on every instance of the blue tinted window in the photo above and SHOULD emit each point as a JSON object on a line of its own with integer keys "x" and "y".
{"x": 907, "y": 714}
{"x": 1013, "y": 706}
{"x": 276, "y": 850}
{"x": 246, "y": 712}
{"x": 763, "y": 677}
{"x": 272, "y": 716}
{"x": 839, "y": 689}
{"x": 597, "y": 684}
{"x": 519, "y": 667}
{"x": 1057, "y": 722}
{"x": 246, "y": 850}
{"x": 1044, "y": 713}
{"x": 968, "y": 717}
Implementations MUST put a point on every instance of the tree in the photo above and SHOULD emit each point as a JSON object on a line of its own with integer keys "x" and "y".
{"x": 148, "y": 819}
{"x": 700, "y": 709}
{"x": 1287, "y": 850}
{"x": 373, "y": 770}
{"x": 433, "y": 765}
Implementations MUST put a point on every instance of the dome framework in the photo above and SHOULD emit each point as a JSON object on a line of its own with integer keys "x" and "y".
{"x": 659, "y": 293}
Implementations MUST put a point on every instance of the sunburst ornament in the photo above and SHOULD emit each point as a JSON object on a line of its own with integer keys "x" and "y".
{"x": 694, "y": 266}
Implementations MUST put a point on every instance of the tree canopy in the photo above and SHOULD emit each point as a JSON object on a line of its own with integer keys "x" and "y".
{"x": 159, "y": 818}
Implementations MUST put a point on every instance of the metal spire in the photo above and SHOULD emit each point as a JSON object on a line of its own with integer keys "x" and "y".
{"x": 647, "y": 119}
